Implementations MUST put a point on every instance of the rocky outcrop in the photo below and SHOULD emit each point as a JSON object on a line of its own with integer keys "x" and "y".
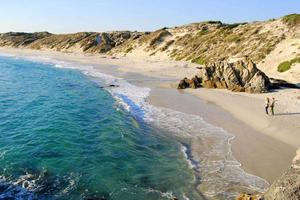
{"x": 240, "y": 76}
{"x": 287, "y": 187}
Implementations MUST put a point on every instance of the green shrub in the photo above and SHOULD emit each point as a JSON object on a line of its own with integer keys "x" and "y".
{"x": 292, "y": 19}
{"x": 202, "y": 32}
{"x": 295, "y": 60}
{"x": 212, "y": 22}
{"x": 173, "y": 54}
{"x": 167, "y": 45}
{"x": 129, "y": 50}
{"x": 153, "y": 53}
{"x": 284, "y": 66}
{"x": 233, "y": 38}
{"x": 232, "y": 26}
{"x": 199, "y": 60}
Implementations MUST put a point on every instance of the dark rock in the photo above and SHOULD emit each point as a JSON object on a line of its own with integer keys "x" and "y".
{"x": 184, "y": 83}
{"x": 240, "y": 76}
{"x": 113, "y": 85}
{"x": 190, "y": 83}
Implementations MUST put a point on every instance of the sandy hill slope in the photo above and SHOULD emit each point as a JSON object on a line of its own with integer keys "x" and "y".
{"x": 267, "y": 43}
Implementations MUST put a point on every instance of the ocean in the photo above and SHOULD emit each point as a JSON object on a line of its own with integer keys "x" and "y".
{"x": 71, "y": 132}
{"x": 63, "y": 136}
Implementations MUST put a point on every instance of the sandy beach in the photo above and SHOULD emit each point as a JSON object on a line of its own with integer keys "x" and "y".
{"x": 264, "y": 145}
{"x": 259, "y": 153}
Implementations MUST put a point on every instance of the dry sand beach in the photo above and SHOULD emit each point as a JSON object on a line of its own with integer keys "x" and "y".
{"x": 264, "y": 145}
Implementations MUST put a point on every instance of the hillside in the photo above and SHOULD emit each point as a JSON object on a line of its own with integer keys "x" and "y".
{"x": 267, "y": 43}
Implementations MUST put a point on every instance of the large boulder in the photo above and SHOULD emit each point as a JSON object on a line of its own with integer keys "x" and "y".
{"x": 240, "y": 76}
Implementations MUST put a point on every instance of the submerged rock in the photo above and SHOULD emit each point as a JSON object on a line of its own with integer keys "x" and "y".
{"x": 113, "y": 85}
{"x": 240, "y": 76}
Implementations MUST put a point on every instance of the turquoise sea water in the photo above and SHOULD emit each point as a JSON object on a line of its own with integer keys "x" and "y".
{"x": 62, "y": 136}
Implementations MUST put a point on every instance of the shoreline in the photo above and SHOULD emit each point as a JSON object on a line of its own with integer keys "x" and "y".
{"x": 273, "y": 152}
{"x": 256, "y": 152}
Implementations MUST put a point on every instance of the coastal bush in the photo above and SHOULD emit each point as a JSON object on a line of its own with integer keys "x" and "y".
{"x": 213, "y": 22}
{"x": 295, "y": 60}
{"x": 292, "y": 19}
{"x": 202, "y": 32}
{"x": 286, "y": 65}
{"x": 173, "y": 54}
{"x": 233, "y": 38}
{"x": 153, "y": 53}
{"x": 199, "y": 60}
{"x": 158, "y": 37}
{"x": 167, "y": 45}
{"x": 269, "y": 46}
{"x": 232, "y": 26}
{"x": 129, "y": 50}
{"x": 256, "y": 31}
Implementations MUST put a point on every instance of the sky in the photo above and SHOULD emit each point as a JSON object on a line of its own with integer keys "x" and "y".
{"x": 68, "y": 16}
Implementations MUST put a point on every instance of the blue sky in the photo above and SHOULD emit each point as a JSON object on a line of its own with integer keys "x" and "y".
{"x": 61, "y": 16}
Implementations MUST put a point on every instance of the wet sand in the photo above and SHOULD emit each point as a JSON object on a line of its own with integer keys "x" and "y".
{"x": 259, "y": 154}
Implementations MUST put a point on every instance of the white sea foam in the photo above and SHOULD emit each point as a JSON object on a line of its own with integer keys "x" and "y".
{"x": 218, "y": 168}
{"x": 219, "y": 171}
{"x": 185, "y": 153}
{"x": 168, "y": 195}
{"x": 26, "y": 186}
{"x": 15, "y": 189}
{"x": 2, "y": 154}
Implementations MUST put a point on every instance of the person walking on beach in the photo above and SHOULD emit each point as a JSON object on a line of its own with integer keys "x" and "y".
{"x": 272, "y": 104}
{"x": 267, "y": 105}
